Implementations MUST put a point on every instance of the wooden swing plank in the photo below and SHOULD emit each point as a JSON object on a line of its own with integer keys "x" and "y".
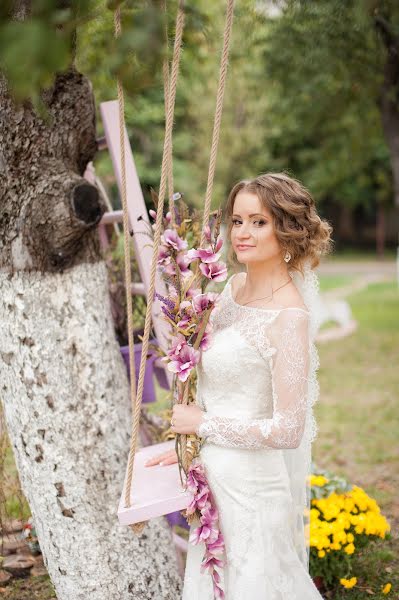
{"x": 155, "y": 490}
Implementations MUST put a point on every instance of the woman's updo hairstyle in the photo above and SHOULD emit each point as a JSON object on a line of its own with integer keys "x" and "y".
{"x": 298, "y": 227}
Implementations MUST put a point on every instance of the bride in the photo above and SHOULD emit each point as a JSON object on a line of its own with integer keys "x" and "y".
{"x": 256, "y": 385}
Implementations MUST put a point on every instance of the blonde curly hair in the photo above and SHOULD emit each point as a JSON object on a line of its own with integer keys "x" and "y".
{"x": 298, "y": 227}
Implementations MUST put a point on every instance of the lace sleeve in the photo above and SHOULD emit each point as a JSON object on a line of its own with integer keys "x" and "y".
{"x": 289, "y": 335}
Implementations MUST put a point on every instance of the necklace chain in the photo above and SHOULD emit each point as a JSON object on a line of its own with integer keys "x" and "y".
{"x": 268, "y": 296}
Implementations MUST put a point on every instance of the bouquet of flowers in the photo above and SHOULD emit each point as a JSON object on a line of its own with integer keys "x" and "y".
{"x": 187, "y": 270}
{"x": 343, "y": 520}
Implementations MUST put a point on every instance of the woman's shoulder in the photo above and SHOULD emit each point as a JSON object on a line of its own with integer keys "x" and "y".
{"x": 287, "y": 298}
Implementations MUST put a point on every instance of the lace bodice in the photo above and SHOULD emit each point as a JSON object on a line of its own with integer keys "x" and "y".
{"x": 253, "y": 378}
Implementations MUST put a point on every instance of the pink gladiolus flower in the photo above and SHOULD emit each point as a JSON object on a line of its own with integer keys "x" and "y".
{"x": 171, "y": 239}
{"x": 217, "y": 546}
{"x": 208, "y": 532}
{"x": 210, "y": 562}
{"x": 178, "y": 343}
{"x": 207, "y": 233}
{"x": 163, "y": 256}
{"x": 210, "y": 514}
{"x": 206, "y": 255}
{"x": 203, "y": 533}
{"x": 202, "y": 302}
{"x": 215, "y": 271}
{"x": 183, "y": 263}
{"x": 186, "y": 360}
{"x": 219, "y": 244}
{"x": 192, "y": 292}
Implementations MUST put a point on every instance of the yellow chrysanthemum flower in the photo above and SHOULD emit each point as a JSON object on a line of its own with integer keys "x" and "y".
{"x": 319, "y": 480}
{"x": 321, "y": 553}
{"x": 387, "y": 588}
{"x": 349, "y": 549}
{"x": 348, "y": 583}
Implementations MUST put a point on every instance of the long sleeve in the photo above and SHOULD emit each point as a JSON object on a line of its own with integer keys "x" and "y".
{"x": 289, "y": 335}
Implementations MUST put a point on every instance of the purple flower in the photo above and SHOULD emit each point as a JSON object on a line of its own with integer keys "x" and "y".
{"x": 210, "y": 562}
{"x": 167, "y": 301}
{"x": 206, "y": 338}
{"x": 214, "y": 271}
{"x": 179, "y": 341}
{"x": 206, "y": 255}
{"x": 209, "y": 514}
{"x": 163, "y": 256}
{"x": 171, "y": 239}
{"x": 202, "y": 302}
{"x": 192, "y": 292}
{"x": 208, "y": 533}
{"x": 196, "y": 476}
{"x": 183, "y": 264}
{"x": 184, "y": 362}
{"x": 216, "y": 546}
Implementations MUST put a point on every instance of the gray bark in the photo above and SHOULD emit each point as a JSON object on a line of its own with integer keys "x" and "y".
{"x": 65, "y": 396}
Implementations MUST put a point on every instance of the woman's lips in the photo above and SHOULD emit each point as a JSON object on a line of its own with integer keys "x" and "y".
{"x": 243, "y": 247}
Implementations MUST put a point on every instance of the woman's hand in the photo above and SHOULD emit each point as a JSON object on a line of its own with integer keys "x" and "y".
{"x": 166, "y": 458}
{"x": 186, "y": 419}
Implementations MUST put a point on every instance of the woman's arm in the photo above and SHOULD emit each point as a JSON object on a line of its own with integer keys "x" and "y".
{"x": 290, "y": 367}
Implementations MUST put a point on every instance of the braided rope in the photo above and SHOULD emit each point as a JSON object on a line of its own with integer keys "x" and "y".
{"x": 126, "y": 236}
{"x": 166, "y": 96}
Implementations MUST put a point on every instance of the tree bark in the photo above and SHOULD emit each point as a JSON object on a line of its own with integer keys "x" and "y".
{"x": 63, "y": 385}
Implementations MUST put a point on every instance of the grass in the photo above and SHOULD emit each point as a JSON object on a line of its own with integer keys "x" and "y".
{"x": 358, "y": 418}
{"x": 32, "y": 588}
{"x": 330, "y": 282}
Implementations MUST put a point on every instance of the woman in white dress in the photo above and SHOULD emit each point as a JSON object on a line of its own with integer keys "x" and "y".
{"x": 256, "y": 388}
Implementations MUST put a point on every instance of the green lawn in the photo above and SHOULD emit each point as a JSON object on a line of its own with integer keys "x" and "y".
{"x": 358, "y": 418}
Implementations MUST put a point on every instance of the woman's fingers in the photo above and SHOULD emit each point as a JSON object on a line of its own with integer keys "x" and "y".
{"x": 166, "y": 458}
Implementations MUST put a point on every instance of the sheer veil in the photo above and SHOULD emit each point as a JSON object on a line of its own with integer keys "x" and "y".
{"x": 299, "y": 460}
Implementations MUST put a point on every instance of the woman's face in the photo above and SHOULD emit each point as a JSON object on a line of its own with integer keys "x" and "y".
{"x": 252, "y": 234}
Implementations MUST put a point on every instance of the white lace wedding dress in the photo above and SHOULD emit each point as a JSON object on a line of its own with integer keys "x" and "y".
{"x": 253, "y": 383}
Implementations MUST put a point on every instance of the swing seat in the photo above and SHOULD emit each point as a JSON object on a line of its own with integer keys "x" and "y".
{"x": 155, "y": 491}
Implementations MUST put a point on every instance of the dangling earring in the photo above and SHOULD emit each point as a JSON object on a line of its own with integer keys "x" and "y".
{"x": 287, "y": 256}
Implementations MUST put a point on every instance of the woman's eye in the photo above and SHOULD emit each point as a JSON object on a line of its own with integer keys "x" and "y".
{"x": 260, "y": 221}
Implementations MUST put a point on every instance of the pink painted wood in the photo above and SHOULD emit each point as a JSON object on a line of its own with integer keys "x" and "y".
{"x": 138, "y": 216}
{"x": 155, "y": 490}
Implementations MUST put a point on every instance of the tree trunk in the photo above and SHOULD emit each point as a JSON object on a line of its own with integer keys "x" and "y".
{"x": 380, "y": 229}
{"x": 62, "y": 381}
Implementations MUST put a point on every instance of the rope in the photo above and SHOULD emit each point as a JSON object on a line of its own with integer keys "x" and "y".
{"x": 166, "y": 96}
{"x": 218, "y": 114}
{"x": 136, "y": 403}
{"x": 128, "y": 278}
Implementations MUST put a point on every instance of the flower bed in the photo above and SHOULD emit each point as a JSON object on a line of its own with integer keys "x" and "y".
{"x": 343, "y": 521}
